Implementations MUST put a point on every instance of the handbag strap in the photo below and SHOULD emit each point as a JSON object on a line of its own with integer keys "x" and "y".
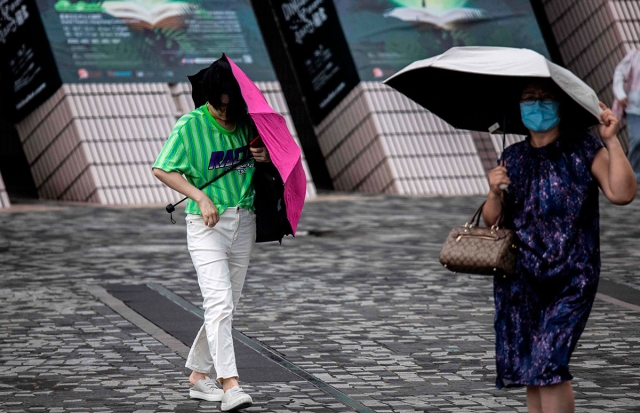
{"x": 476, "y": 217}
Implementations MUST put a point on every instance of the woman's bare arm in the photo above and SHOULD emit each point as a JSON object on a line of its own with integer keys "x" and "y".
{"x": 610, "y": 166}
{"x": 493, "y": 207}
{"x": 176, "y": 181}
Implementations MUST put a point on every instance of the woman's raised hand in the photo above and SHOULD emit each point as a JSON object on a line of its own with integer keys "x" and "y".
{"x": 609, "y": 126}
{"x": 498, "y": 176}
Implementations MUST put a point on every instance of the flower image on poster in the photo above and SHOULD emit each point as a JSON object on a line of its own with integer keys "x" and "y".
{"x": 151, "y": 40}
{"x": 386, "y": 35}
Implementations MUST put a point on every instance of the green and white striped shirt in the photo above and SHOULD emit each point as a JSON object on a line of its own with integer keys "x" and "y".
{"x": 201, "y": 149}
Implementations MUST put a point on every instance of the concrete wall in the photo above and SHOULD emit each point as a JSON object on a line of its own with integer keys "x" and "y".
{"x": 4, "y": 198}
{"x": 377, "y": 140}
{"x": 593, "y": 36}
{"x": 97, "y": 142}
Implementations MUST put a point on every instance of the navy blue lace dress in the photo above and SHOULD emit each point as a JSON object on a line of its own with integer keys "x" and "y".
{"x": 552, "y": 204}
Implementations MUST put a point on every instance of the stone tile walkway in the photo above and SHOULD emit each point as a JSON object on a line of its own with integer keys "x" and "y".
{"x": 358, "y": 299}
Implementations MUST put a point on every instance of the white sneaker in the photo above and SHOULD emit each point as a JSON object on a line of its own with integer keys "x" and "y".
{"x": 206, "y": 389}
{"x": 234, "y": 399}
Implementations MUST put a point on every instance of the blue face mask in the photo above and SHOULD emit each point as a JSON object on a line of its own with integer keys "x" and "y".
{"x": 539, "y": 115}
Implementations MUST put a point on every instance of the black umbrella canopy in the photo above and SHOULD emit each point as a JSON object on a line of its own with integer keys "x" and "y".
{"x": 477, "y": 101}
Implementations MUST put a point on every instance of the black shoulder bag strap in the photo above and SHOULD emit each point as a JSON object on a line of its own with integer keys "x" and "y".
{"x": 172, "y": 207}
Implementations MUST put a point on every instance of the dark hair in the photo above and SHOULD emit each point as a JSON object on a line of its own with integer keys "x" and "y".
{"x": 218, "y": 80}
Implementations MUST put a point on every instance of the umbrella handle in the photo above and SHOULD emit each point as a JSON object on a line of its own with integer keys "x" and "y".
{"x": 170, "y": 208}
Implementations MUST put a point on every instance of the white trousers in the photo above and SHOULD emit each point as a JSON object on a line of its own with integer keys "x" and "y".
{"x": 221, "y": 256}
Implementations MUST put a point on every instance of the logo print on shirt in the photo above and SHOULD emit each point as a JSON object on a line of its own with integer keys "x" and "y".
{"x": 231, "y": 157}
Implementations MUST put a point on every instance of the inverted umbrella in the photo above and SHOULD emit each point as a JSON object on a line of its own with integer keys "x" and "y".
{"x": 476, "y": 87}
{"x": 272, "y": 128}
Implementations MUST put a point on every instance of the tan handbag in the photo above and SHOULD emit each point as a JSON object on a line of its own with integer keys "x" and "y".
{"x": 472, "y": 249}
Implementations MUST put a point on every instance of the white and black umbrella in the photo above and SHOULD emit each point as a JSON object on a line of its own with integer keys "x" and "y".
{"x": 476, "y": 87}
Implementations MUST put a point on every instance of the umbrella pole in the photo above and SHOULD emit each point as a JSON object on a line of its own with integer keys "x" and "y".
{"x": 504, "y": 133}
{"x": 504, "y": 187}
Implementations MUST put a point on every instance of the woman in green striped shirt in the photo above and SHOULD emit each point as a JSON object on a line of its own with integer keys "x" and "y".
{"x": 220, "y": 222}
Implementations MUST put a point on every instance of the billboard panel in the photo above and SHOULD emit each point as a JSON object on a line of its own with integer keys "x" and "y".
{"x": 151, "y": 40}
{"x": 27, "y": 70}
{"x": 319, "y": 53}
{"x": 386, "y": 35}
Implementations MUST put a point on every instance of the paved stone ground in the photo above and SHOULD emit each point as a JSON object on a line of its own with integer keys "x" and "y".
{"x": 358, "y": 299}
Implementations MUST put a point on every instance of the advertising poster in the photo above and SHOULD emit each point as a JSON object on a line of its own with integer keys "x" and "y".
{"x": 27, "y": 70}
{"x": 386, "y": 35}
{"x": 151, "y": 40}
{"x": 320, "y": 55}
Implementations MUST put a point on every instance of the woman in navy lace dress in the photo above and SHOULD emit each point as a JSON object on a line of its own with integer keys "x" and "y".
{"x": 554, "y": 178}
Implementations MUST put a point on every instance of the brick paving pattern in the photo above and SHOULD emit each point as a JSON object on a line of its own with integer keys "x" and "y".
{"x": 358, "y": 299}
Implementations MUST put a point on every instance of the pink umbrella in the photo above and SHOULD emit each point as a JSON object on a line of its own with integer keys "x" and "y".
{"x": 272, "y": 128}
{"x": 285, "y": 153}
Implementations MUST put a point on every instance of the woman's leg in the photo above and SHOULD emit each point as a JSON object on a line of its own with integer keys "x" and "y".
{"x": 243, "y": 242}
{"x": 534, "y": 404}
{"x": 210, "y": 249}
{"x": 199, "y": 360}
{"x": 557, "y": 398}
